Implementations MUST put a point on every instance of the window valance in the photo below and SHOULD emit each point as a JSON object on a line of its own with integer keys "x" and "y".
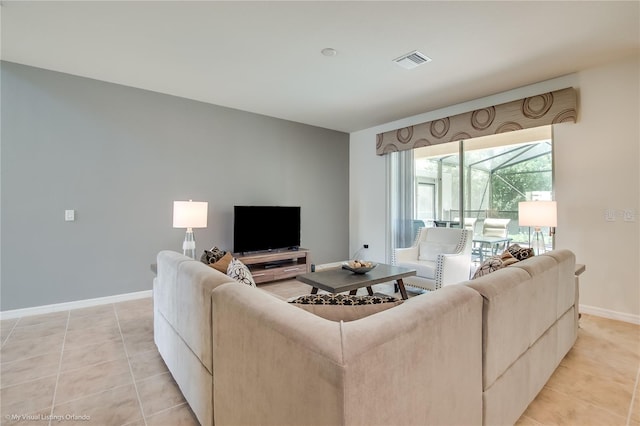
{"x": 540, "y": 110}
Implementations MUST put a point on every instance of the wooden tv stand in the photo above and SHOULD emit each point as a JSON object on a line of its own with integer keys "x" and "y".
{"x": 276, "y": 265}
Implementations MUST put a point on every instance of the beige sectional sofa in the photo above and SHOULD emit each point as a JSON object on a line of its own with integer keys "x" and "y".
{"x": 529, "y": 323}
{"x": 470, "y": 354}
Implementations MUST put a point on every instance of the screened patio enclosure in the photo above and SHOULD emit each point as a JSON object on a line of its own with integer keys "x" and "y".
{"x": 470, "y": 181}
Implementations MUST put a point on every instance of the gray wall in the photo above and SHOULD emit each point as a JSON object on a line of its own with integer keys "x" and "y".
{"x": 120, "y": 156}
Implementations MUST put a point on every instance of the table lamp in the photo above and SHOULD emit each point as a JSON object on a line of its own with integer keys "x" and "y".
{"x": 537, "y": 214}
{"x": 189, "y": 214}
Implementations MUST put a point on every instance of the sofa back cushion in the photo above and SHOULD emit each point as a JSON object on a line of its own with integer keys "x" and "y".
{"x": 566, "y": 268}
{"x": 505, "y": 315}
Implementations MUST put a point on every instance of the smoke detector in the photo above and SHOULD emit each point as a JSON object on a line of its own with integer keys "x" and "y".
{"x": 412, "y": 60}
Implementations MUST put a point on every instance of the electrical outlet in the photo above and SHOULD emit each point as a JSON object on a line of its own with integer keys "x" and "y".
{"x": 610, "y": 215}
{"x": 69, "y": 215}
{"x": 366, "y": 246}
{"x": 628, "y": 215}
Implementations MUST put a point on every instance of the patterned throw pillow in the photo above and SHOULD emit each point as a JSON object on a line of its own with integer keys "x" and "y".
{"x": 520, "y": 253}
{"x": 342, "y": 299}
{"x": 239, "y": 272}
{"x": 212, "y": 256}
{"x": 508, "y": 259}
{"x": 488, "y": 266}
{"x": 342, "y": 307}
{"x": 222, "y": 265}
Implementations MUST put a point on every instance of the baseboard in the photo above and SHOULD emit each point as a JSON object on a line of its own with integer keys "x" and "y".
{"x": 66, "y": 306}
{"x": 607, "y": 313}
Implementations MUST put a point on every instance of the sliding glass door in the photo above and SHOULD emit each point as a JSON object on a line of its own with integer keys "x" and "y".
{"x": 500, "y": 177}
{"x": 462, "y": 184}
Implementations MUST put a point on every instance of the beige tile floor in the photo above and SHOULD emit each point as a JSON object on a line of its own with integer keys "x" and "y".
{"x": 99, "y": 366}
{"x": 93, "y": 366}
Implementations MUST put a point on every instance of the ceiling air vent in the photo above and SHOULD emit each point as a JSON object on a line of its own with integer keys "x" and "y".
{"x": 412, "y": 60}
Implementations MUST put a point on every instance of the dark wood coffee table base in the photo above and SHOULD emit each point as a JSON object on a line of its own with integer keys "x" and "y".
{"x": 399, "y": 285}
{"x": 339, "y": 280}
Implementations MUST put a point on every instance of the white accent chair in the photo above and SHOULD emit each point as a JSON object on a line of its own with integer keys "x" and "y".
{"x": 440, "y": 256}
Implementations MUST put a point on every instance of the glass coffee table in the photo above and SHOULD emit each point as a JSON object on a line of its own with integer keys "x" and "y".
{"x": 337, "y": 280}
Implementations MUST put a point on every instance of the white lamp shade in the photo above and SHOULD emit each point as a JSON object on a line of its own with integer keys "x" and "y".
{"x": 190, "y": 214}
{"x": 537, "y": 213}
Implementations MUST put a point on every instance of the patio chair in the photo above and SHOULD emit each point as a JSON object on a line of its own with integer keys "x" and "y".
{"x": 447, "y": 223}
{"x": 416, "y": 225}
{"x": 492, "y": 227}
{"x": 440, "y": 256}
{"x": 469, "y": 223}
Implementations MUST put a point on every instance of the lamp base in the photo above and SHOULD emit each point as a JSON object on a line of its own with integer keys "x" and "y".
{"x": 538, "y": 242}
{"x": 189, "y": 244}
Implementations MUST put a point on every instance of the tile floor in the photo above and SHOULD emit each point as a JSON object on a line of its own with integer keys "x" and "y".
{"x": 93, "y": 366}
{"x": 99, "y": 366}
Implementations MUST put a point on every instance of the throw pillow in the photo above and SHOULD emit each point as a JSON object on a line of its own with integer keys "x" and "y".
{"x": 212, "y": 256}
{"x": 520, "y": 253}
{"x": 430, "y": 250}
{"x": 510, "y": 261}
{"x": 222, "y": 265}
{"x": 488, "y": 266}
{"x": 239, "y": 272}
{"x": 344, "y": 307}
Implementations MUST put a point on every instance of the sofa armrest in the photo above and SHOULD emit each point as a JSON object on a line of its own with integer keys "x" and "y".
{"x": 183, "y": 298}
{"x": 405, "y": 254}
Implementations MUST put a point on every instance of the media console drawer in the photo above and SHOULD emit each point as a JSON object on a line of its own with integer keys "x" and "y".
{"x": 277, "y": 264}
{"x": 290, "y": 272}
{"x": 262, "y": 276}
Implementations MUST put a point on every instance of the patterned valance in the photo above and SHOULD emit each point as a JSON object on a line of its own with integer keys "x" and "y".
{"x": 541, "y": 110}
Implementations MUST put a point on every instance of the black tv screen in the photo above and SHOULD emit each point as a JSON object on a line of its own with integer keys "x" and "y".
{"x": 259, "y": 228}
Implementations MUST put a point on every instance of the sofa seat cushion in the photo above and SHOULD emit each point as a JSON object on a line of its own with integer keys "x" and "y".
{"x": 343, "y": 307}
{"x": 424, "y": 268}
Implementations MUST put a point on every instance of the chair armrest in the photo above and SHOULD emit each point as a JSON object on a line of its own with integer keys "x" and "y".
{"x": 405, "y": 254}
{"x": 455, "y": 268}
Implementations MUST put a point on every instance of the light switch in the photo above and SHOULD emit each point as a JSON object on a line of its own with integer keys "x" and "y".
{"x": 69, "y": 215}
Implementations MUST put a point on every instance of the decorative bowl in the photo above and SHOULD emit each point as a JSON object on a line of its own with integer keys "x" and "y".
{"x": 359, "y": 266}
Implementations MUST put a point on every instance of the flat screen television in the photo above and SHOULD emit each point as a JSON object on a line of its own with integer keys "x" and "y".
{"x": 260, "y": 228}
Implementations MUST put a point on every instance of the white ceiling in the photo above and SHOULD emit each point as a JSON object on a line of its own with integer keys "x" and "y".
{"x": 264, "y": 57}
